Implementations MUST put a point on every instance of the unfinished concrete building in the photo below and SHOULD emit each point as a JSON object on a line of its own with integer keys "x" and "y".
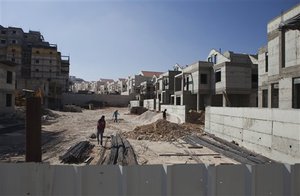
{"x": 192, "y": 87}
{"x": 279, "y": 62}
{"x": 235, "y": 79}
{"x": 7, "y": 86}
{"x": 40, "y": 66}
{"x": 165, "y": 87}
{"x": 134, "y": 82}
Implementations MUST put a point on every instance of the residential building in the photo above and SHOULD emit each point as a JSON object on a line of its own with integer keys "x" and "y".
{"x": 165, "y": 85}
{"x": 40, "y": 66}
{"x": 235, "y": 79}
{"x": 7, "y": 86}
{"x": 134, "y": 82}
{"x": 193, "y": 86}
{"x": 279, "y": 62}
{"x": 122, "y": 85}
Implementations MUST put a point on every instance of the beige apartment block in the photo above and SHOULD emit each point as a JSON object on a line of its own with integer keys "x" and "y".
{"x": 40, "y": 66}
{"x": 7, "y": 86}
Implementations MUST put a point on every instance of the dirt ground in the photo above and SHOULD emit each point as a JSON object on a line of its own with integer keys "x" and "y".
{"x": 70, "y": 128}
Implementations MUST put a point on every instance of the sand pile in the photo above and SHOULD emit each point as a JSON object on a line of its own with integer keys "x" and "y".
{"x": 163, "y": 130}
{"x": 148, "y": 117}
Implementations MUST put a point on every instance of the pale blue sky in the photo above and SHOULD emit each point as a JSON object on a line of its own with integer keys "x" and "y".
{"x": 112, "y": 39}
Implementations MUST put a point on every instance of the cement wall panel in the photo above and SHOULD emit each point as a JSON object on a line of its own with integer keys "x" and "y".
{"x": 144, "y": 180}
{"x": 216, "y": 118}
{"x": 183, "y": 180}
{"x": 232, "y": 180}
{"x": 216, "y": 127}
{"x": 257, "y": 138}
{"x": 287, "y": 130}
{"x": 295, "y": 179}
{"x": 66, "y": 180}
{"x": 285, "y": 145}
{"x": 24, "y": 179}
{"x": 97, "y": 180}
{"x": 233, "y": 121}
{"x": 268, "y": 179}
{"x": 261, "y": 126}
{"x": 289, "y": 116}
{"x": 257, "y": 113}
{"x": 233, "y": 132}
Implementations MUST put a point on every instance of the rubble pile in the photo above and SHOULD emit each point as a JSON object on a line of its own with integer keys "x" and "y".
{"x": 196, "y": 117}
{"x": 163, "y": 130}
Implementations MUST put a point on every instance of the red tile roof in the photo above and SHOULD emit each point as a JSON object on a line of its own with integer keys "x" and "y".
{"x": 151, "y": 73}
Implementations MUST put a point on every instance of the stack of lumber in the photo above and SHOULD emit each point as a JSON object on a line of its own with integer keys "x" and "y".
{"x": 121, "y": 152}
{"x": 77, "y": 153}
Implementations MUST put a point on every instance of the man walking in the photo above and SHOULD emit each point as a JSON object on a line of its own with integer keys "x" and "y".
{"x": 100, "y": 129}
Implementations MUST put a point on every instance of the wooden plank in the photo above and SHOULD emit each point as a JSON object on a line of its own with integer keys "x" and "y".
{"x": 188, "y": 154}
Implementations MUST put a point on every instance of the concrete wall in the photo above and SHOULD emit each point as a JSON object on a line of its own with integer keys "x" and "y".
{"x": 82, "y": 99}
{"x": 150, "y": 104}
{"x": 135, "y": 103}
{"x": 274, "y": 133}
{"x": 164, "y": 180}
{"x": 176, "y": 113}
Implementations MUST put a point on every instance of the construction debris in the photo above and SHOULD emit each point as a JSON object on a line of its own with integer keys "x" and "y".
{"x": 121, "y": 152}
{"x": 188, "y": 154}
{"x": 163, "y": 130}
{"x": 228, "y": 149}
{"x": 195, "y": 117}
{"x": 77, "y": 153}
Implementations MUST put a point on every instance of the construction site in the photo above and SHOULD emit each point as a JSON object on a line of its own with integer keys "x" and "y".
{"x": 151, "y": 139}
{"x": 227, "y": 124}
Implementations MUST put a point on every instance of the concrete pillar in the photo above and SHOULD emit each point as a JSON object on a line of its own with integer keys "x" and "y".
{"x": 281, "y": 49}
{"x": 33, "y": 130}
{"x": 269, "y": 95}
{"x": 224, "y": 101}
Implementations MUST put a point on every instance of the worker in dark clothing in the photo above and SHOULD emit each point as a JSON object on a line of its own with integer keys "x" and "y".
{"x": 100, "y": 129}
{"x": 165, "y": 114}
{"x": 115, "y": 116}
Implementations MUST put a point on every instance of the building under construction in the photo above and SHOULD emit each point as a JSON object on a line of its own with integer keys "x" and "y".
{"x": 40, "y": 66}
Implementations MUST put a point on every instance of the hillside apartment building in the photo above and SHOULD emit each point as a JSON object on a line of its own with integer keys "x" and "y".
{"x": 40, "y": 66}
{"x": 279, "y": 62}
{"x": 7, "y": 86}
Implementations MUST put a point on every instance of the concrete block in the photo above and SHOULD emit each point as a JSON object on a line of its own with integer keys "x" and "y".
{"x": 186, "y": 180}
{"x": 97, "y": 180}
{"x": 216, "y": 118}
{"x": 291, "y": 116}
{"x": 257, "y": 113}
{"x": 287, "y": 130}
{"x": 257, "y": 138}
{"x": 215, "y": 127}
{"x": 233, "y": 132}
{"x": 283, "y": 157}
{"x": 233, "y": 121}
{"x": 286, "y": 145}
{"x": 232, "y": 111}
{"x": 144, "y": 180}
{"x": 217, "y": 110}
{"x": 262, "y": 126}
{"x": 269, "y": 179}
